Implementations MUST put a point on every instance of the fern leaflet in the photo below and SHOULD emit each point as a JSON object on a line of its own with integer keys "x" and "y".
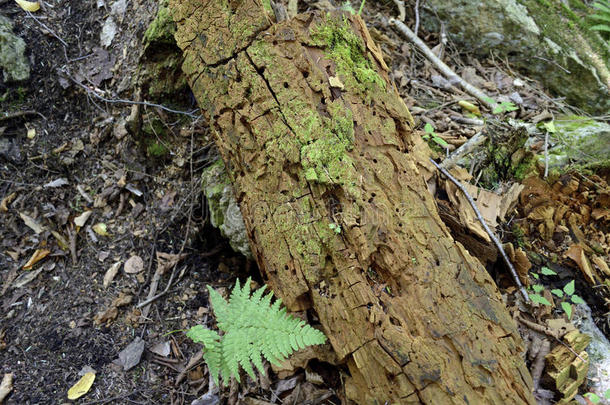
{"x": 253, "y": 328}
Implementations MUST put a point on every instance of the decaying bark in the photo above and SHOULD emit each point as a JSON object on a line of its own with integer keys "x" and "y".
{"x": 324, "y": 162}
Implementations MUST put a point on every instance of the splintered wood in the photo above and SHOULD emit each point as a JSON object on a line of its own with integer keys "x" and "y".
{"x": 329, "y": 181}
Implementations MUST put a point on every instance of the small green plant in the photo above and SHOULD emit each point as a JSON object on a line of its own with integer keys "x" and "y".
{"x": 602, "y": 15}
{"x": 335, "y": 227}
{"x": 567, "y": 293}
{"x": 596, "y": 399}
{"x": 252, "y": 327}
{"x": 504, "y": 106}
{"x": 433, "y": 136}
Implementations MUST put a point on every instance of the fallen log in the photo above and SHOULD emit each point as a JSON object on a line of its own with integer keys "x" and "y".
{"x": 328, "y": 174}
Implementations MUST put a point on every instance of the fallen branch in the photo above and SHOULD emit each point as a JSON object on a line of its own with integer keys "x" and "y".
{"x": 489, "y": 231}
{"x": 463, "y": 150}
{"x": 440, "y": 65}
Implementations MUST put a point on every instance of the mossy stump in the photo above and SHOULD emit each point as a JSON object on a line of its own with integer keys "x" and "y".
{"x": 325, "y": 165}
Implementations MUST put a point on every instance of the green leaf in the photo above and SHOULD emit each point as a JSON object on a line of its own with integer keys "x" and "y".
{"x": 601, "y": 6}
{"x": 547, "y": 272}
{"x": 577, "y": 300}
{"x": 537, "y": 287}
{"x": 607, "y": 394}
{"x": 601, "y": 27}
{"x": 440, "y": 141}
{"x": 567, "y": 308}
{"x": 539, "y": 299}
{"x": 592, "y": 397}
{"x": 569, "y": 288}
{"x": 550, "y": 127}
{"x": 557, "y": 292}
{"x": 536, "y": 276}
{"x": 428, "y": 128}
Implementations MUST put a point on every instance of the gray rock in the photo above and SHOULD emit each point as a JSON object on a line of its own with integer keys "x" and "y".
{"x": 224, "y": 210}
{"x": 542, "y": 38}
{"x": 579, "y": 140}
{"x": 13, "y": 62}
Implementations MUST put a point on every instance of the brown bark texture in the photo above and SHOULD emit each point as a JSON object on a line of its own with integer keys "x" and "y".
{"x": 324, "y": 161}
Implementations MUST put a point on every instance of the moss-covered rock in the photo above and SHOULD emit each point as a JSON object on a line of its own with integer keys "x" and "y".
{"x": 224, "y": 210}
{"x": 581, "y": 141}
{"x": 13, "y": 62}
{"x": 549, "y": 39}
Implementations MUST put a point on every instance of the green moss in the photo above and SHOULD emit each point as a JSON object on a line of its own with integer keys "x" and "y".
{"x": 267, "y": 7}
{"x": 325, "y": 159}
{"x": 156, "y": 150}
{"x": 162, "y": 28}
{"x": 347, "y": 50}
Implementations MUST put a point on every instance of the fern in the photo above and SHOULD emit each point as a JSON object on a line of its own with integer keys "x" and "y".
{"x": 602, "y": 15}
{"x": 253, "y": 327}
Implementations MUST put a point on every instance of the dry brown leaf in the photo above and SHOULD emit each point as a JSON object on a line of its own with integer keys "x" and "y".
{"x": 82, "y": 218}
{"x": 6, "y": 201}
{"x": 166, "y": 261}
{"x": 111, "y": 273}
{"x": 38, "y": 255}
{"x": 112, "y": 312}
{"x": 31, "y": 223}
{"x": 601, "y": 263}
{"x": 577, "y": 253}
{"x": 6, "y": 386}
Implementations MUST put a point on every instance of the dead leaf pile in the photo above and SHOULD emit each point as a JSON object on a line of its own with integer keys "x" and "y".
{"x": 570, "y": 218}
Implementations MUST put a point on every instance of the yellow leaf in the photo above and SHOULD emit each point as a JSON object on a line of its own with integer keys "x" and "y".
{"x": 101, "y": 229}
{"x": 470, "y": 107}
{"x": 82, "y": 386}
{"x": 28, "y": 5}
{"x": 31, "y": 133}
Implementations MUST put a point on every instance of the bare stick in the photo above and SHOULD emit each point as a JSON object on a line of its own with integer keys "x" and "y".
{"x": 546, "y": 154}
{"x": 9, "y": 116}
{"x": 463, "y": 150}
{"x": 416, "y": 27}
{"x": 440, "y": 65}
{"x": 489, "y": 231}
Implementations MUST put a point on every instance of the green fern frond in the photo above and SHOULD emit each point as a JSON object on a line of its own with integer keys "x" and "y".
{"x": 603, "y": 15}
{"x": 254, "y": 328}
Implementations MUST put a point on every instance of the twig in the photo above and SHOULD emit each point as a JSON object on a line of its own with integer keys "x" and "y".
{"x": 439, "y": 64}
{"x": 48, "y": 29}
{"x": 162, "y": 293}
{"x": 8, "y": 116}
{"x": 489, "y": 232}
{"x": 123, "y": 101}
{"x": 546, "y": 154}
{"x": 463, "y": 150}
{"x": 416, "y": 26}
{"x": 401, "y": 9}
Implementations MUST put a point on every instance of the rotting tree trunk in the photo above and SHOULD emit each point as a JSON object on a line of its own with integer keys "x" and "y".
{"x": 320, "y": 149}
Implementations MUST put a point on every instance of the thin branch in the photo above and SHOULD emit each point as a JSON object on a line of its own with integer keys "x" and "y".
{"x": 489, "y": 231}
{"x": 440, "y": 65}
{"x": 8, "y": 116}
{"x": 463, "y": 150}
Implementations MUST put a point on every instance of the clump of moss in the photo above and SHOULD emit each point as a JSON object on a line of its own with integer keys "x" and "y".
{"x": 156, "y": 150}
{"x": 163, "y": 27}
{"x": 325, "y": 160}
{"x": 348, "y": 52}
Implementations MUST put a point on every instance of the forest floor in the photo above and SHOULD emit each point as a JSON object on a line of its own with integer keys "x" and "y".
{"x": 95, "y": 220}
